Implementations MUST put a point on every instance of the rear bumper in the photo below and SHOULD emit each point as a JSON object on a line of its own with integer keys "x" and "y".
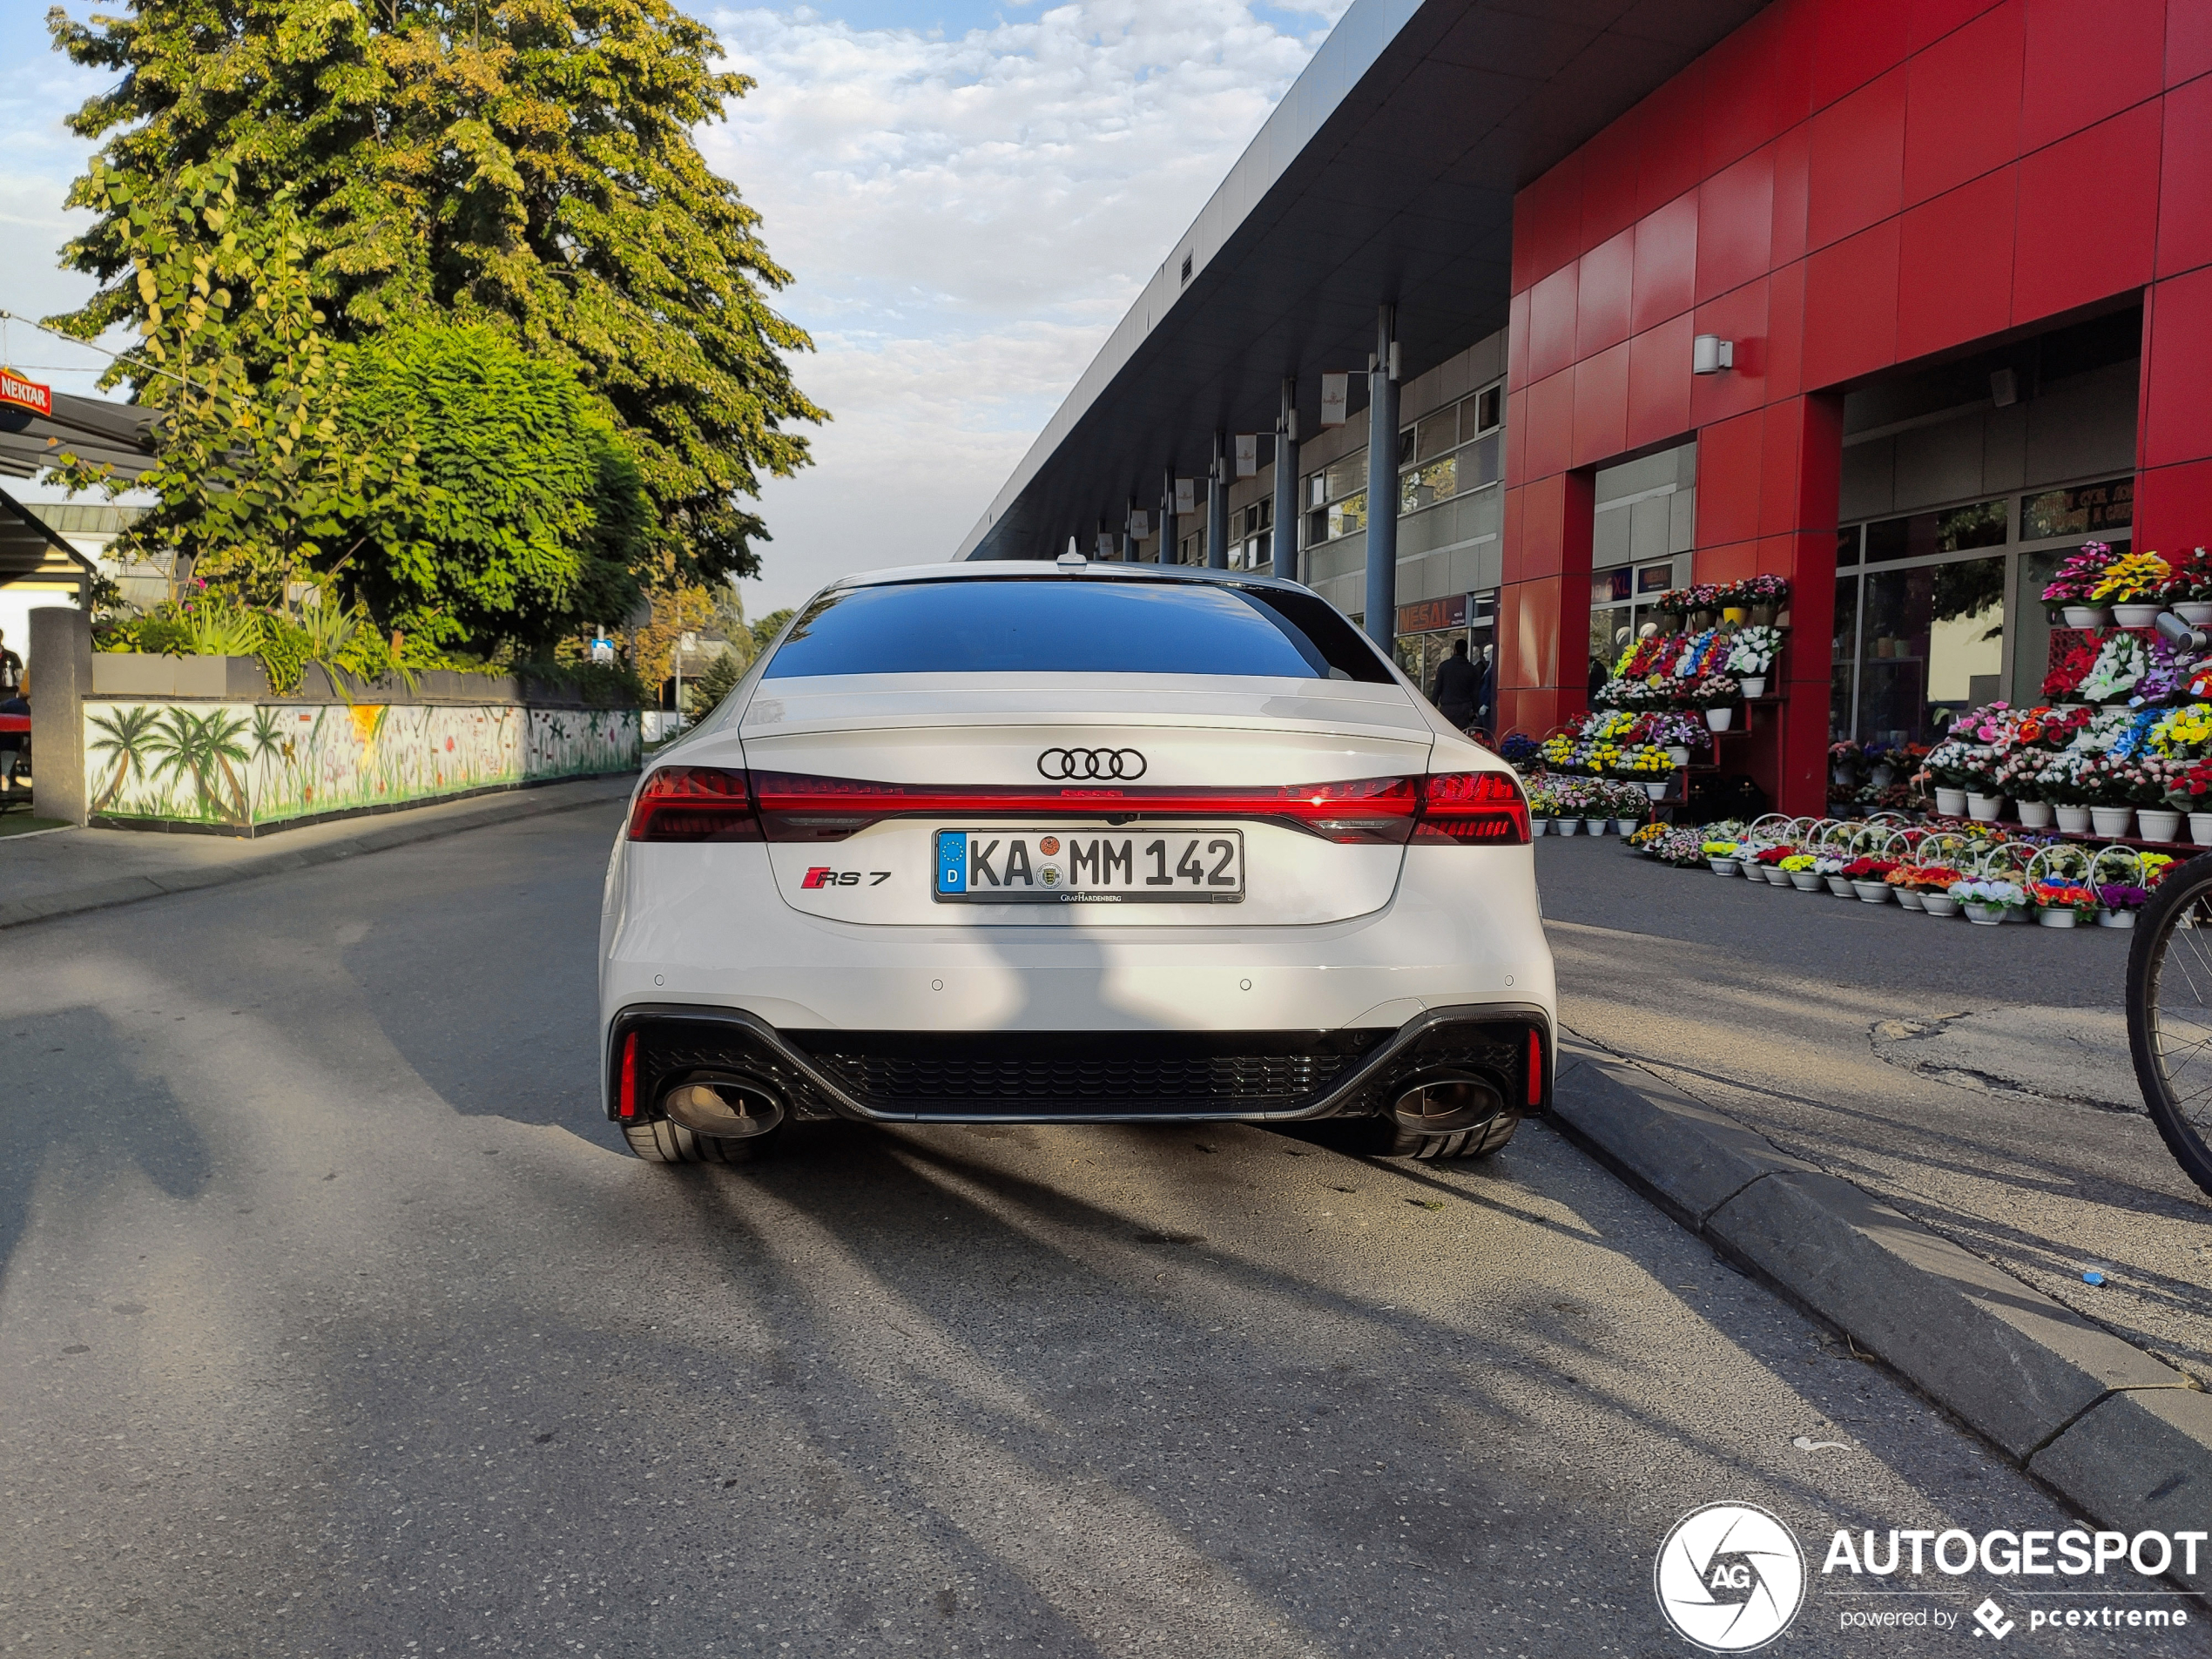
{"x": 1076, "y": 1076}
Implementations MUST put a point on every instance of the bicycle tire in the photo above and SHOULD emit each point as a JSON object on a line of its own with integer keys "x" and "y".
{"x": 2169, "y": 1014}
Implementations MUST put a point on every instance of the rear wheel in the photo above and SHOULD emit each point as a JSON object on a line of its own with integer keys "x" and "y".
{"x": 2169, "y": 1014}
{"x": 1382, "y": 1137}
{"x": 662, "y": 1141}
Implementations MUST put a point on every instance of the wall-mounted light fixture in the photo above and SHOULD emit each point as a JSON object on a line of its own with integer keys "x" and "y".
{"x": 1709, "y": 354}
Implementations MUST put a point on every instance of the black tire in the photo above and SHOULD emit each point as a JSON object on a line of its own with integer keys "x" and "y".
{"x": 2169, "y": 1014}
{"x": 661, "y": 1141}
{"x": 1381, "y": 1137}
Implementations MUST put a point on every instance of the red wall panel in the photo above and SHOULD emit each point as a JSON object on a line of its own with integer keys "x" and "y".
{"x": 1955, "y": 267}
{"x": 1659, "y": 379}
{"x": 1792, "y": 179}
{"x": 1551, "y": 323}
{"x": 1666, "y": 278}
{"x": 2087, "y": 59}
{"x": 1962, "y": 104}
{"x": 1857, "y": 167}
{"x": 1601, "y": 406}
{"x": 1735, "y": 224}
{"x": 1854, "y": 41}
{"x": 2088, "y": 216}
{"x": 1851, "y": 307}
{"x": 2174, "y": 507}
{"x": 1728, "y": 480}
{"x": 1739, "y": 316}
{"x": 2177, "y": 374}
{"x": 1609, "y": 180}
{"x": 1550, "y": 416}
{"x": 1671, "y": 156}
{"x": 1932, "y": 19}
{"x": 2188, "y": 40}
{"x": 2185, "y": 182}
{"x": 1605, "y": 275}
{"x": 1744, "y": 95}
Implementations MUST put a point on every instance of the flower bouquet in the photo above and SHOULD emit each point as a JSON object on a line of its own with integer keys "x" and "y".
{"x": 1986, "y": 903}
{"x": 2061, "y": 904}
{"x": 1717, "y": 694}
{"x": 2068, "y": 592}
{"x": 2118, "y": 902}
{"x": 1751, "y": 659}
{"x": 1722, "y": 856}
{"x": 1519, "y": 751}
{"x": 2063, "y": 683}
{"x": 2121, "y": 662}
{"x": 1933, "y": 884}
{"x": 2132, "y": 584}
{"x": 1799, "y": 867}
{"x": 2188, "y": 590}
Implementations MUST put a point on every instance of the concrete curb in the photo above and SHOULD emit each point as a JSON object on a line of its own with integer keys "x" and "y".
{"x": 2117, "y": 1432}
{"x": 396, "y": 829}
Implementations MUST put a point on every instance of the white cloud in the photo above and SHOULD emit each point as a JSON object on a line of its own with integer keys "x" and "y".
{"x": 965, "y": 219}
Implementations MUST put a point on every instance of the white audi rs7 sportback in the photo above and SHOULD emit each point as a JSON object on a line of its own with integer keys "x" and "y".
{"x": 1074, "y": 843}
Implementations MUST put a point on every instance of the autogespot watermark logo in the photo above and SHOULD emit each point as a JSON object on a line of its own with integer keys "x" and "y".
{"x": 1729, "y": 1577}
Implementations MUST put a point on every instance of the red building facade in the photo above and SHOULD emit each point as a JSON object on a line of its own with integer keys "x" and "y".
{"x": 1846, "y": 189}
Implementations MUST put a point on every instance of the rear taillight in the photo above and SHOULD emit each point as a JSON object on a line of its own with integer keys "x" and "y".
{"x": 1473, "y": 809}
{"x": 694, "y": 803}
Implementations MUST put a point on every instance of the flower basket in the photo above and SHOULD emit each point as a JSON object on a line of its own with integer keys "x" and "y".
{"x": 1986, "y": 915}
{"x": 1724, "y": 867}
{"x": 1938, "y": 904}
{"x": 1806, "y": 882}
{"x": 2111, "y": 917}
{"x": 2195, "y": 612}
{"x": 1911, "y": 898}
{"x": 1951, "y": 803}
{"x": 2158, "y": 823}
{"x": 2086, "y": 616}
{"x": 1840, "y": 886}
{"x": 2035, "y": 814}
{"x": 2052, "y": 915}
{"x": 1872, "y": 892}
{"x": 1984, "y": 809}
{"x": 1719, "y": 719}
{"x": 2111, "y": 821}
{"x": 2073, "y": 820}
{"x": 2135, "y": 616}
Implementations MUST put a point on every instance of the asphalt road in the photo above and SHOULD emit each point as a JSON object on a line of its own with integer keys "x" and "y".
{"x": 1796, "y": 1013}
{"x": 333, "y": 1323}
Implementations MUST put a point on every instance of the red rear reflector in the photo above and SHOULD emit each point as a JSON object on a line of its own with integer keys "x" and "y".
{"x": 1535, "y": 1067}
{"x": 694, "y": 803}
{"x": 626, "y": 1093}
{"x": 1473, "y": 809}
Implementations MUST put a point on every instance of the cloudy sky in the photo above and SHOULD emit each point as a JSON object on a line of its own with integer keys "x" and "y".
{"x": 969, "y": 197}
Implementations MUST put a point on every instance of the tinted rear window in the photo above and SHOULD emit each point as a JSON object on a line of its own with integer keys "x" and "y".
{"x": 1075, "y": 625}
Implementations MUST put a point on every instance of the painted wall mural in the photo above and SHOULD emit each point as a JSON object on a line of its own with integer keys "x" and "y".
{"x": 241, "y": 764}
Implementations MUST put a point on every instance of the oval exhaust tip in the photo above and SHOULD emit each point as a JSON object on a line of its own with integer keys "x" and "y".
{"x": 724, "y": 1109}
{"x": 1443, "y": 1102}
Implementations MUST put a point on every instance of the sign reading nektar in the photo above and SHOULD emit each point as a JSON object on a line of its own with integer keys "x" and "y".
{"x": 25, "y": 395}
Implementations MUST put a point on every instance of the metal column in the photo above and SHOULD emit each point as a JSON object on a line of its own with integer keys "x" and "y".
{"x": 1382, "y": 486}
{"x": 1286, "y": 507}
{"x": 1218, "y": 507}
{"x": 1164, "y": 550}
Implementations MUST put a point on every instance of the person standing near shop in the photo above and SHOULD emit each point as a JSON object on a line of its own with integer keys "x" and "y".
{"x": 1485, "y": 700}
{"x": 1457, "y": 685}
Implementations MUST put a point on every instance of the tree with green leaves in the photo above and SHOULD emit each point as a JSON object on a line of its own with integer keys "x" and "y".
{"x": 524, "y": 163}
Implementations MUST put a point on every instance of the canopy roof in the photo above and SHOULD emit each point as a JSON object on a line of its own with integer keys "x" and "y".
{"x": 91, "y": 428}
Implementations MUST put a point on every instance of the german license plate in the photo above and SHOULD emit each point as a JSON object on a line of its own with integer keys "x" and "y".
{"x": 1090, "y": 867}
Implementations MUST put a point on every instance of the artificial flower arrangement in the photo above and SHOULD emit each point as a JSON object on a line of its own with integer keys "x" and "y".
{"x": 1518, "y": 750}
{"x": 1701, "y": 654}
{"x": 2131, "y": 579}
{"x": 1643, "y": 761}
{"x": 1798, "y": 862}
{"x": 2067, "y": 673}
{"x": 1756, "y": 591}
{"x": 1925, "y": 878}
{"x": 2154, "y": 867}
{"x": 1990, "y": 895}
{"x": 2189, "y": 789}
{"x": 1715, "y": 692}
{"x": 1828, "y": 865}
{"x": 1774, "y": 854}
{"x": 2182, "y": 733}
{"x": 1755, "y": 650}
{"x": 1869, "y": 869}
{"x": 2071, "y": 583}
{"x": 1671, "y": 731}
{"x": 1718, "y": 849}
{"x": 1988, "y": 725}
{"x": 2121, "y": 662}
{"x": 2163, "y": 677}
{"x": 2191, "y": 580}
{"x": 2122, "y": 896}
{"x": 1681, "y": 602}
{"x": 2064, "y": 895}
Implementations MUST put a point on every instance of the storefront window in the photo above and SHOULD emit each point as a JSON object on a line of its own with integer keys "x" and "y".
{"x": 1843, "y": 653}
{"x": 1932, "y": 645}
{"x": 2088, "y": 510}
{"x": 1955, "y": 529}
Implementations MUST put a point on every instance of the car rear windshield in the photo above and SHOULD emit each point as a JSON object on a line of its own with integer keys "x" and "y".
{"x": 1075, "y": 625}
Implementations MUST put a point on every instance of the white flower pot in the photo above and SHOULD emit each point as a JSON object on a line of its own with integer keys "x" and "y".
{"x": 1841, "y": 887}
{"x": 1595, "y": 826}
{"x": 2136, "y": 616}
{"x": 2158, "y": 823}
{"x": 1754, "y": 684}
{"x": 1909, "y": 897}
{"x": 1884, "y": 777}
{"x": 2035, "y": 814}
{"x": 2201, "y": 828}
{"x": 1719, "y": 719}
{"x": 1658, "y": 791}
{"x": 1938, "y": 904}
{"x": 2111, "y": 917}
{"x": 1626, "y": 827}
{"x": 2112, "y": 821}
{"x": 1986, "y": 915}
{"x": 1539, "y": 826}
{"x": 1984, "y": 809}
{"x": 1952, "y": 803}
{"x": 1775, "y": 874}
{"x": 2073, "y": 820}
{"x": 2085, "y": 615}
{"x": 2195, "y": 612}
{"x": 1566, "y": 827}
{"x": 1679, "y": 754}
{"x": 1806, "y": 882}
{"x": 2053, "y": 917}
{"x": 1872, "y": 892}
{"x": 1724, "y": 866}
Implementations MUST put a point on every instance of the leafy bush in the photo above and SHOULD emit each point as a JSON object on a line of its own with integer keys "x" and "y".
{"x": 703, "y": 695}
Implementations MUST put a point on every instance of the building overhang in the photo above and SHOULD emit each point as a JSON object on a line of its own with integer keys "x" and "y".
{"x": 1387, "y": 175}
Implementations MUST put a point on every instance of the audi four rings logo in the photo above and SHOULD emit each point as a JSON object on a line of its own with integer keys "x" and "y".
{"x": 1064, "y": 765}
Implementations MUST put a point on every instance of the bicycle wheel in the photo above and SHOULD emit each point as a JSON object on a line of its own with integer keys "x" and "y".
{"x": 2169, "y": 1014}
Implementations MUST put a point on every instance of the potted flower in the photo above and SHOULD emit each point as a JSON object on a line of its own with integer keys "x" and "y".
{"x": 2061, "y": 903}
{"x": 1870, "y": 879}
{"x": 1717, "y": 694}
{"x": 2132, "y": 584}
{"x": 1988, "y": 903}
{"x": 1542, "y": 805}
{"x": 1753, "y": 655}
{"x": 2189, "y": 791}
{"x": 1763, "y": 597}
{"x": 2068, "y": 592}
{"x": 2188, "y": 590}
{"x": 2118, "y": 902}
{"x": 1722, "y": 856}
{"x": 1798, "y": 867}
{"x": 1935, "y": 883}
{"x": 2063, "y": 683}
{"x": 1904, "y": 883}
{"x": 2121, "y": 660}
{"x": 1769, "y": 861}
